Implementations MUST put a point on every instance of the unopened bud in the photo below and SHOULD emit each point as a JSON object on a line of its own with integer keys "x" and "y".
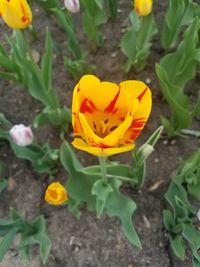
{"x": 143, "y": 7}
{"x": 21, "y": 135}
{"x": 198, "y": 214}
{"x": 146, "y": 150}
{"x": 72, "y": 5}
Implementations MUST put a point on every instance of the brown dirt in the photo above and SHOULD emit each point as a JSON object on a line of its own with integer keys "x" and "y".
{"x": 92, "y": 242}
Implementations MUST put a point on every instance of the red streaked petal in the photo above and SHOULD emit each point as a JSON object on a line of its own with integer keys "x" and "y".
{"x": 142, "y": 94}
{"x": 111, "y": 107}
{"x": 87, "y": 106}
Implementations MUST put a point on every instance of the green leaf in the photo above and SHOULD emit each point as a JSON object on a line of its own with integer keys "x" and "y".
{"x": 7, "y": 242}
{"x": 140, "y": 157}
{"x": 114, "y": 170}
{"x": 93, "y": 18}
{"x": 174, "y": 71}
{"x": 79, "y": 187}
{"x": 101, "y": 190}
{"x": 73, "y": 206}
{"x": 123, "y": 208}
{"x": 20, "y": 66}
{"x": 45, "y": 245}
{"x": 99, "y": 3}
{"x": 194, "y": 189}
{"x": 48, "y": 5}
{"x": 177, "y": 197}
{"x": 196, "y": 110}
{"x": 155, "y": 136}
{"x": 193, "y": 237}
{"x": 59, "y": 118}
{"x": 178, "y": 246}
{"x": 24, "y": 252}
{"x": 9, "y": 76}
{"x": 69, "y": 159}
{"x": 66, "y": 22}
{"x": 3, "y": 181}
{"x": 168, "y": 219}
{"x": 113, "y": 8}
{"x": 179, "y": 14}
{"x": 3, "y": 184}
{"x": 195, "y": 262}
{"x": 36, "y": 234}
{"x": 168, "y": 127}
{"x": 181, "y": 115}
{"x": 46, "y": 65}
{"x": 43, "y": 159}
{"x": 136, "y": 42}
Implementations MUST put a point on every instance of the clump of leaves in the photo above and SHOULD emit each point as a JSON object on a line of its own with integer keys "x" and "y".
{"x": 31, "y": 233}
{"x": 179, "y": 220}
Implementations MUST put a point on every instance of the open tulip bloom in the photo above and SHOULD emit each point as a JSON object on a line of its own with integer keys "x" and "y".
{"x": 16, "y": 13}
{"x": 108, "y": 117}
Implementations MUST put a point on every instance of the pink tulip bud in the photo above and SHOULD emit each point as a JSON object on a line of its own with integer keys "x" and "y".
{"x": 72, "y": 5}
{"x": 21, "y": 135}
{"x": 198, "y": 214}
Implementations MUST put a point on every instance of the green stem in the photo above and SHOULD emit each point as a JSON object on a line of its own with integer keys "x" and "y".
{"x": 126, "y": 179}
{"x": 190, "y": 132}
{"x": 102, "y": 161}
{"x": 4, "y": 122}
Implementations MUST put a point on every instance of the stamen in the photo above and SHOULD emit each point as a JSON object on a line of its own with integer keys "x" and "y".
{"x": 113, "y": 128}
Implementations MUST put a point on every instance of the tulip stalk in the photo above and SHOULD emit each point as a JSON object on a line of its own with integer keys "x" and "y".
{"x": 102, "y": 161}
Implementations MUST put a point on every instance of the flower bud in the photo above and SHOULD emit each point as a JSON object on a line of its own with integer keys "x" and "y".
{"x": 146, "y": 150}
{"x": 16, "y": 13}
{"x": 198, "y": 214}
{"x": 72, "y": 6}
{"x": 21, "y": 135}
{"x": 56, "y": 194}
{"x": 143, "y": 7}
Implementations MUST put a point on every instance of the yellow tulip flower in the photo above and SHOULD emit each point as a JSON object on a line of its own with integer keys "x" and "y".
{"x": 107, "y": 117}
{"x": 56, "y": 194}
{"x": 16, "y": 13}
{"x": 143, "y": 7}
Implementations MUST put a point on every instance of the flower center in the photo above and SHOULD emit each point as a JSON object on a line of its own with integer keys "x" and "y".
{"x": 103, "y": 127}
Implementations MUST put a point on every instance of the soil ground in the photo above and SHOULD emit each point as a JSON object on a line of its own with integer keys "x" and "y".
{"x": 92, "y": 242}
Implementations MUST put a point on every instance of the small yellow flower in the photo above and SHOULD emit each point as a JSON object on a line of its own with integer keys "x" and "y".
{"x": 16, "y": 13}
{"x": 143, "y": 7}
{"x": 56, "y": 194}
{"x": 108, "y": 117}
